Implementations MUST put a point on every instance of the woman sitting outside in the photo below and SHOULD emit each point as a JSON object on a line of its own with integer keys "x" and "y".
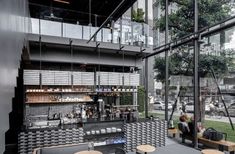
{"x": 183, "y": 125}
{"x": 187, "y": 128}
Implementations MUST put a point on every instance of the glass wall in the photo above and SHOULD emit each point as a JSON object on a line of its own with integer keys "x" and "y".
{"x": 216, "y": 62}
{"x": 181, "y": 17}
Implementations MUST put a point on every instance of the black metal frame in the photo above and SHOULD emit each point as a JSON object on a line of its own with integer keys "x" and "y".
{"x": 166, "y": 61}
{"x": 196, "y": 77}
{"x": 196, "y": 38}
{"x": 107, "y": 20}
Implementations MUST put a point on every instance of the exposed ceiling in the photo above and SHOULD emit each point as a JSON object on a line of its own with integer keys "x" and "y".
{"x": 78, "y": 10}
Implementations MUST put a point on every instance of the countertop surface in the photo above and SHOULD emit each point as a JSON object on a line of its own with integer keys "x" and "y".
{"x": 81, "y": 124}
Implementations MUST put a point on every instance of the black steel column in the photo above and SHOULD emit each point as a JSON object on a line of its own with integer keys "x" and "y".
{"x": 166, "y": 61}
{"x": 146, "y": 21}
{"x": 146, "y": 87}
{"x": 196, "y": 78}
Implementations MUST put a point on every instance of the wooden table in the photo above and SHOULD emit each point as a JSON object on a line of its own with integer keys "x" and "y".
{"x": 89, "y": 152}
{"x": 145, "y": 148}
{"x": 210, "y": 151}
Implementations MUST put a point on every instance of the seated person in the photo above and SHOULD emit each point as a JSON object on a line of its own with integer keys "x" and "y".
{"x": 183, "y": 125}
{"x": 191, "y": 127}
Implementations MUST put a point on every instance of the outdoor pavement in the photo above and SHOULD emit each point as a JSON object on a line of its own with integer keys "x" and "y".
{"x": 176, "y": 149}
{"x": 173, "y": 147}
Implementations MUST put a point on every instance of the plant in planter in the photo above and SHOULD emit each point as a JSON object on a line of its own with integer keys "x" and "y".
{"x": 138, "y": 15}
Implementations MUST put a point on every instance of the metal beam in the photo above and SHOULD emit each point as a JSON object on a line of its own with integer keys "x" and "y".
{"x": 146, "y": 21}
{"x": 196, "y": 78}
{"x": 166, "y": 61}
{"x": 146, "y": 87}
{"x": 222, "y": 98}
{"x": 205, "y": 32}
{"x": 107, "y": 20}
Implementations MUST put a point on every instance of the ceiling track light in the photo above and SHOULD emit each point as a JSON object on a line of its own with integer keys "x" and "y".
{"x": 62, "y": 1}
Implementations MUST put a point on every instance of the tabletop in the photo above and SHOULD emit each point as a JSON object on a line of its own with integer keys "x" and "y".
{"x": 89, "y": 152}
{"x": 210, "y": 151}
{"x": 145, "y": 148}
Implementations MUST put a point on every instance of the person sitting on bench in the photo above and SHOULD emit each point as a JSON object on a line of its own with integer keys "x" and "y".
{"x": 183, "y": 125}
{"x": 187, "y": 128}
{"x": 200, "y": 129}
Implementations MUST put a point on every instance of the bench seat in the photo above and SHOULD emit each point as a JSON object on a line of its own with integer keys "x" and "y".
{"x": 220, "y": 145}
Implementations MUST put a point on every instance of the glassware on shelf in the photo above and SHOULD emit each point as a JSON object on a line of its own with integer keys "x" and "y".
{"x": 90, "y": 146}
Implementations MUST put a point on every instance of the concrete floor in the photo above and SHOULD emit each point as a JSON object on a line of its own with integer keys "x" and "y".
{"x": 174, "y": 147}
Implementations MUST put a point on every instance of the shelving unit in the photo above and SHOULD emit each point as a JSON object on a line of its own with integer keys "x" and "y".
{"x": 58, "y": 92}
{"x": 49, "y": 92}
{"x": 106, "y": 140}
{"x": 58, "y": 102}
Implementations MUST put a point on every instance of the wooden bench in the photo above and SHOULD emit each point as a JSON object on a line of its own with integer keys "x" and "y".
{"x": 220, "y": 145}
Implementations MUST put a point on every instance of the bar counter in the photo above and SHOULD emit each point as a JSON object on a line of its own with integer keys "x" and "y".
{"x": 74, "y": 125}
{"x": 118, "y": 132}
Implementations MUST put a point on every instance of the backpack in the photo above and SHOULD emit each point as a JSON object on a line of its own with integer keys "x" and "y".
{"x": 214, "y": 135}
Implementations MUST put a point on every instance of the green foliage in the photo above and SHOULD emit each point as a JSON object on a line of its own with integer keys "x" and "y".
{"x": 127, "y": 98}
{"x": 181, "y": 63}
{"x": 141, "y": 98}
{"x": 138, "y": 16}
{"x": 181, "y": 21}
{"x": 219, "y": 126}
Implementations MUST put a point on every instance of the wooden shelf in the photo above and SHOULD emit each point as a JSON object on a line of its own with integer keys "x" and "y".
{"x": 56, "y": 92}
{"x": 72, "y": 92}
{"x": 57, "y": 102}
{"x": 116, "y": 91}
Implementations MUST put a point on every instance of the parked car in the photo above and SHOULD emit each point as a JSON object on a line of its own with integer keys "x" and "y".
{"x": 207, "y": 108}
{"x": 160, "y": 105}
{"x": 190, "y": 107}
{"x": 231, "y": 111}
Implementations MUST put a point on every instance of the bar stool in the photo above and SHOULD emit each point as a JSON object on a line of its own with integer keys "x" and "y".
{"x": 210, "y": 151}
{"x": 145, "y": 148}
